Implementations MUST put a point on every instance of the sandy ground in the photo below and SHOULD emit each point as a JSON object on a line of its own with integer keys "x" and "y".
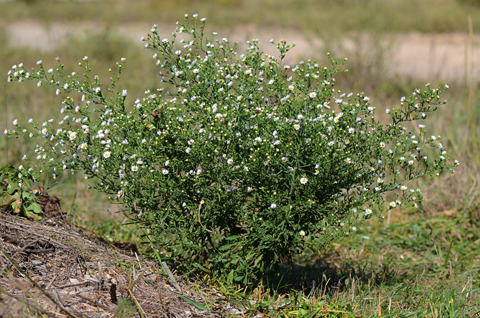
{"x": 420, "y": 56}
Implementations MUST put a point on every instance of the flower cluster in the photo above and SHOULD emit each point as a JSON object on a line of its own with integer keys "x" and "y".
{"x": 238, "y": 158}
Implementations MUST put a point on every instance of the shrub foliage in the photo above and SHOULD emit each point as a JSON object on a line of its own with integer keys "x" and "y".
{"x": 244, "y": 160}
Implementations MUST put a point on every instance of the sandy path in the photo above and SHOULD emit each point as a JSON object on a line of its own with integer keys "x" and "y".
{"x": 421, "y": 56}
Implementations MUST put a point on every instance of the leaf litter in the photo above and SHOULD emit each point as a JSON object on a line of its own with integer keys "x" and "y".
{"x": 53, "y": 268}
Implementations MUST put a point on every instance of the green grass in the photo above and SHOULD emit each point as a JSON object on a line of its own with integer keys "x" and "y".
{"x": 340, "y": 15}
{"x": 409, "y": 264}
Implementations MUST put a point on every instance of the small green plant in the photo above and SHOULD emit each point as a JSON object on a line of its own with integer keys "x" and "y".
{"x": 125, "y": 308}
{"x": 240, "y": 161}
{"x": 16, "y": 196}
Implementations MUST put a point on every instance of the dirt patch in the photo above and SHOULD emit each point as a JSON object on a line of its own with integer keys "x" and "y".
{"x": 84, "y": 276}
{"x": 413, "y": 55}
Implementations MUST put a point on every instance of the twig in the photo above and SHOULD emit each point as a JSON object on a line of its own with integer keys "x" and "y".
{"x": 43, "y": 228}
{"x": 93, "y": 301}
{"x": 170, "y": 276}
{"x": 40, "y": 235}
{"x": 24, "y": 301}
{"x": 159, "y": 290}
{"x": 113, "y": 293}
{"x": 51, "y": 282}
{"x": 74, "y": 285}
{"x": 135, "y": 281}
{"x": 200, "y": 207}
{"x": 142, "y": 314}
{"x": 35, "y": 283}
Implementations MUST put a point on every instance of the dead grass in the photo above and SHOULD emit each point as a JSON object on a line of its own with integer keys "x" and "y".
{"x": 86, "y": 275}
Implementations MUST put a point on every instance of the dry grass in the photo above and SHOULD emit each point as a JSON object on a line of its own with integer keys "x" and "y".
{"x": 84, "y": 275}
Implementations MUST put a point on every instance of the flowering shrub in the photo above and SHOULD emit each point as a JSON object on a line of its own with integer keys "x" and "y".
{"x": 245, "y": 160}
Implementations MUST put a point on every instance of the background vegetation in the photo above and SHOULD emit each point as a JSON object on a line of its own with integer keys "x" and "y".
{"x": 411, "y": 262}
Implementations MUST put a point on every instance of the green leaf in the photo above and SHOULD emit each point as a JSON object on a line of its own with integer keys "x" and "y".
{"x": 226, "y": 247}
{"x": 6, "y": 200}
{"x": 203, "y": 268}
{"x": 230, "y": 277}
{"x": 34, "y": 207}
{"x": 12, "y": 188}
{"x": 258, "y": 260}
{"x": 238, "y": 278}
{"x": 230, "y": 238}
{"x": 31, "y": 215}
{"x": 4, "y": 171}
{"x": 188, "y": 300}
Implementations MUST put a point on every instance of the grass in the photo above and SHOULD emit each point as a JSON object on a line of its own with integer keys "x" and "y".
{"x": 408, "y": 264}
{"x": 341, "y": 15}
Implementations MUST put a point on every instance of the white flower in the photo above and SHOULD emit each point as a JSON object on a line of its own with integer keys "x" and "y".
{"x": 14, "y": 122}
{"x": 382, "y": 144}
{"x": 167, "y": 162}
{"x": 230, "y": 161}
{"x": 107, "y": 154}
{"x": 124, "y": 92}
{"x": 120, "y": 194}
{"x": 121, "y": 173}
{"x": 188, "y": 150}
{"x": 303, "y": 180}
{"x": 97, "y": 90}
{"x": 302, "y": 233}
{"x": 178, "y": 52}
{"x": 65, "y": 86}
{"x": 312, "y": 95}
{"x": 164, "y": 171}
{"x": 134, "y": 168}
{"x": 190, "y": 142}
{"x": 57, "y": 92}
{"x": 39, "y": 62}
{"x": 393, "y": 204}
{"x": 72, "y": 135}
{"x": 368, "y": 212}
{"x": 273, "y": 206}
